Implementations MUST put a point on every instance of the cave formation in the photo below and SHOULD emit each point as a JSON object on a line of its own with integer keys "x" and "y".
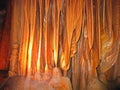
{"x": 59, "y": 45}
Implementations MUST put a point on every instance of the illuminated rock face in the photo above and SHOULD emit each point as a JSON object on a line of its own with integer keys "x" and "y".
{"x": 81, "y": 37}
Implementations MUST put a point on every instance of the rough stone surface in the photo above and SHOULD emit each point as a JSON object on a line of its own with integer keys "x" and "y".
{"x": 22, "y": 83}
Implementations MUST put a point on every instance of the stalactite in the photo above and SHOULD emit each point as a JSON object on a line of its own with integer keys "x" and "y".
{"x": 79, "y": 35}
{"x": 109, "y": 43}
{"x": 40, "y": 38}
{"x": 14, "y": 42}
{"x": 41, "y": 5}
{"x": 90, "y": 22}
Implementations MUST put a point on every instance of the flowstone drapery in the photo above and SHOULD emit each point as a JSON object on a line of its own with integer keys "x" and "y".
{"x": 81, "y": 37}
